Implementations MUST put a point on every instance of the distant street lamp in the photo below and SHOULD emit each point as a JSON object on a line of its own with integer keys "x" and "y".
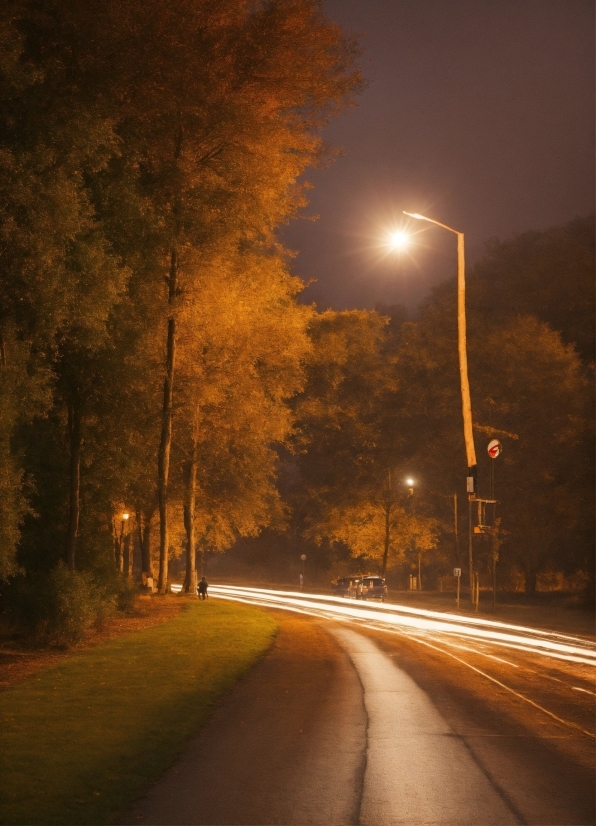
{"x": 463, "y": 374}
{"x": 410, "y": 484}
{"x": 120, "y": 550}
{"x": 303, "y": 558}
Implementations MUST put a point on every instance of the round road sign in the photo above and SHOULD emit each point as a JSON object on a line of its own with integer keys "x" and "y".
{"x": 494, "y": 448}
{"x": 303, "y": 557}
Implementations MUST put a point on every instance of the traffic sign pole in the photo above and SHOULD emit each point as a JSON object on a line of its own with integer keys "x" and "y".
{"x": 494, "y": 449}
{"x": 303, "y": 558}
{"x": 457, "y": 575}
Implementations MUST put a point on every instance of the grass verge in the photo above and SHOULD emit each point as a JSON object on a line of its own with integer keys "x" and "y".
{"x": 81, "y": 741}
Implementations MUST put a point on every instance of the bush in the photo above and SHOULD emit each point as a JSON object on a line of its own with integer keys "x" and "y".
{"x": 59, "y": 608}
{"x": 125, "y": 593}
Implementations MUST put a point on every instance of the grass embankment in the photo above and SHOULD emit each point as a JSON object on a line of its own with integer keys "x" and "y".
{"x": 81, "y": 741}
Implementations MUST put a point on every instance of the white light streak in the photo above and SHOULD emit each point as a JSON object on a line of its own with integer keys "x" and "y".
{"x": 529, "y": 640}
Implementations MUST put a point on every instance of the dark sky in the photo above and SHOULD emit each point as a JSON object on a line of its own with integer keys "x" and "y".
{"x": 479, "y": 113}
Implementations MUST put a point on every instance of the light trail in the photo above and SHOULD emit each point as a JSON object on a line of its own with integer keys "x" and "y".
{"x": 511, "y": 690}
{"x": 390, "y": 616}
{"x": 434, "y": 630}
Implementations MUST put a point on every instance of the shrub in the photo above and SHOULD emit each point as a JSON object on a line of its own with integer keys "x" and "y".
{"x": 58, "y": 608}
{"x": 121, "y": 591}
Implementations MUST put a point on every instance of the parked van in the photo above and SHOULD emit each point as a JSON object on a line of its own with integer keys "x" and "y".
{"x": 373, "y": 587}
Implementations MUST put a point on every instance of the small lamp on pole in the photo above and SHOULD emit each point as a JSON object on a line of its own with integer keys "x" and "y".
{"x": 125, "y": 516}
{"x": 410, "y": 483}
{"x": 303, "y": 560}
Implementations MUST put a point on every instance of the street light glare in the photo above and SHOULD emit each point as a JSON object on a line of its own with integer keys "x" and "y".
{"x": 125, "y": 516}
{"x": 399, "y": 240}
{"x": 409, "y": 482}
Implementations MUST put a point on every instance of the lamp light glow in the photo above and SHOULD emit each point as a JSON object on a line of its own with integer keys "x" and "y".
{"x": 399, "y": 240}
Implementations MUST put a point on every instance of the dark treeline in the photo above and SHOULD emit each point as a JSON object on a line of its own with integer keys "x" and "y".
{"x": 154, "y": 360}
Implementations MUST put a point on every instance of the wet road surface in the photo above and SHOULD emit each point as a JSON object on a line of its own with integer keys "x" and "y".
{"x": 364, "y": 722}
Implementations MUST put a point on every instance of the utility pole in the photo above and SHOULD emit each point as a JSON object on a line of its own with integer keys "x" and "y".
{"x": 456, "y": 528}
{"x": 470, "y": 557}
{"x": 471, "y": 480}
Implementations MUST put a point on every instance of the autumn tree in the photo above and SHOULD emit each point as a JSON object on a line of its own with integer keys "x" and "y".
{"x": 220, "y": 104}
{"x": 243, "y": 341}
{"x": 205, "y": 113}
{"x": 346, "y": 442}
{"x": 381, "y": 527}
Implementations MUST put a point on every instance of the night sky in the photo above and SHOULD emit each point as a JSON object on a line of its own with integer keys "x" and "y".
{"x": 478, "y": 113}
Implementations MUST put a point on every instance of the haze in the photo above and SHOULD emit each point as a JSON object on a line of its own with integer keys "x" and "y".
{"x": 479, "y": 114}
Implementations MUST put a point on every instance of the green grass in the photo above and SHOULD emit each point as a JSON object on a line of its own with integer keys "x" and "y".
{"x": 81, "y": 741}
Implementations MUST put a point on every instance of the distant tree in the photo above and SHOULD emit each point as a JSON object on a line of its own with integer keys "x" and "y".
{"x": 380, "y": 528}
{"x": 524, "y": 382}
{"x": 345, "y": 441}
{"x": 549, "y": 274}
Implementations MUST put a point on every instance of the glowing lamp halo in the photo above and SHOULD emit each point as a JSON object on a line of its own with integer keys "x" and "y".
{"x": 398, "y": 240}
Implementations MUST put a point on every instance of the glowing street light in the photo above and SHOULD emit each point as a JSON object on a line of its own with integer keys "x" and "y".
{"x": 463, "y": 374}
{"x": 399, "y": 240}
{"x": 120, "y": 553}
{"x": 410, "y": 483}
{"x": 303, "y": 558}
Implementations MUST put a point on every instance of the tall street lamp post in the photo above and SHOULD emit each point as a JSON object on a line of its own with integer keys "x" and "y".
{"x": 464, "y": 381}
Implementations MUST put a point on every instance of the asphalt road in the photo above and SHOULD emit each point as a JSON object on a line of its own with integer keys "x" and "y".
{"x": 364, "y": 722}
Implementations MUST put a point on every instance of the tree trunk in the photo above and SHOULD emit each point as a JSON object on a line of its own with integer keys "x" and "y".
{"x": 144, "y": 528}
{"x": 456, "y": 531}
{"x": 115, "y": 540}
{"x": 120, "y": 557}
{"x": 128, "y": 550}
{"x": 387, "y": 538}
{"x": 139, "y": 524}
{"x": 531, "y": 575}
{"x": 74, "y": 433}
{"x": 190, "y": 581}
{"x": 163, "y": 461}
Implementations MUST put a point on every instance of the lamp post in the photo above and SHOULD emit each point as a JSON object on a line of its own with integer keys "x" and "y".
{"x": 410, "y": 484}
{"x": 120, "y": 550}
{"x": 463, "y": 376}
{"x": 303, "y": 559}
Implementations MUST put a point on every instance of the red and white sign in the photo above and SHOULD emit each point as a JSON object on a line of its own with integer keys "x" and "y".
{"x": 494, "y": 448}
